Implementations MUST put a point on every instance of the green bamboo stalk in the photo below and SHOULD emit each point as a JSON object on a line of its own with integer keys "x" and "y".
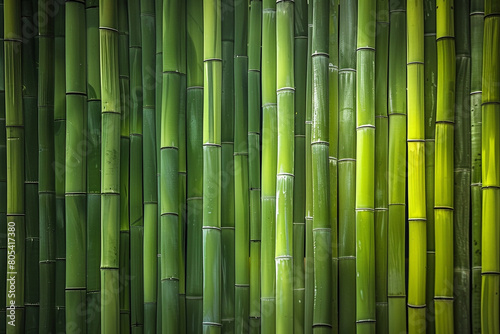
{"x": 490, "y": 258}
{"x": 3, "y": 183}
{"x": 416, "y": 168}
{"x": 45, "y": 171}
{"x": 268, "y": 179}
{"x": 443, "y": 192}
{"x": 254, "y": 105}
{"x": 59, "y": 164}
{"x": 476, "y": 35}
{"x": 136, "y": 158}
{"x": 462, "y": 171}
{"x": 285, "y": 84}
{"x": 397, "y": 168}
{"x": 194, "y": 131}
{"x": 333, "y": 78}
{"x": 430, "y": 98}
{"x": 241, "y": 189}
{"x": 171, "y": 103}
{"x": 93, "y": 168}
{"x": 150, "y": 199}
{"x": 14, "y": 125}
{"x": 300, "y": 71}
{"x": 365, "y": 170}
{"x": 381, "y": 165}
{"x": 227, "y": 167}
{"x": 29, "y": 72}
{"x": 75, "y": 185}
{"x": 124, "y": 81}
{"x": 212, "y": 54}
{"x": 347, "y": 165}
{"x": 110, "y": 166}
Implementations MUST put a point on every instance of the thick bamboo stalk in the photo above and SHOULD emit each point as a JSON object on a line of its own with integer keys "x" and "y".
{"x": 254, "y": 105}
{"x": 93, "y": 167}
{"x": 300, "y": 71}
{"x": 269, "y": 155}
{"x": 443, "y": 192}
{"x": 110, "y": 165}
{"x": 381, "y": 165}
{"x": 490, "y": 258}
{"x": 397, "y": 168}
{"x": 416, "y": 168}
{"x": 76, "y": 186}
{"x": 3, "y": 181}
{"x": 212, "y": 166}
{"x": 285, "y": 84}
{"x": 45, "y": 171}
{"x": 14, "y": 125}
{"x": 462, "y": 170}
{"x": 194, "y": 261}
{"x": 476, "y": 35}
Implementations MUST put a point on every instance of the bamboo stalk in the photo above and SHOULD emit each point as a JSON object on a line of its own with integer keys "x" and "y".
{"x": 476, "y": 35}
{"x": 490, "y": 258}
{"x": 397, "y": 169}
{"x": 416, "y": 168}
{"x": 269, "y": 155}
{"x": 3, "y": 180}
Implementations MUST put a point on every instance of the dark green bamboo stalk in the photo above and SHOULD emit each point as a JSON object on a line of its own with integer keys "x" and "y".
{"x": 254, "y": 105}
{"x": 14, "y": 125}
{"x": 30, "y": 78}
{"x": 59, "y": 164}
{"x": 212, "y": 54}
{"x": 490, "y": 255}
{"x": 93, "y": 168}
{"x": 300, "y": 72}
{"x": 149, "y": 164}
{"x": 110, "y": 166}
{"x": 476, "y": 35}
{"x": 3, "y": 182}
{"x": 430, "y": 98}
{"x": 194, "y": 264}
{"x": 347, "y": 165}
{"x": 45, "y": 171}
{"x": 381, "y": 165}
{"x": 285, "y": 88}
{"x": 269, "y": 154}
{"x": 462, "y": 170}
{"x": 397, "y": 168}
{"x": 76, "y": 185}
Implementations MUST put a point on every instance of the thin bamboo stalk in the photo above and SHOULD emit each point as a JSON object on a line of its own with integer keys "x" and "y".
{"x": 490, "y": 258}
{"x": 397, "y": 168}
{"x": 269, "y": 155}
{"x": 443, "y": 192}
{"x": 3, "y": 181}
{"x": 416, "y": 168}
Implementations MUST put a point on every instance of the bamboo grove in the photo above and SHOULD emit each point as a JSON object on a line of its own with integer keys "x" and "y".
{"x": 250, "y": 166}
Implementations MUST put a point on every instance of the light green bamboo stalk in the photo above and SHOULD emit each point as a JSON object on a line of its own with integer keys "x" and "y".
{"x": 14, "y": 125}
{"x": 300, "y": 71}
{"x": 212, "y": 321}
{"x": 347, "y": 165}
{"x": 490, "y": 258}
{"x": 397, "y": 168}
{"x": 381, "y": 165}
{"x": 430, "y": 93}
{"x": 93, "y": 168}
{"x": 110, "y": 166}
{"x": 3, "y": 182}
{"x": 476, "y": 35}
{"x": 462, "y": 171}
{"x": 269, "y": 155}
{"x": 285, "y": 84}
{"x": 45, "y": 171}
{"x": 443, "y": 200}
{"x": 416, "y": 168}
{"x": 194, "y": 261}
{"x": 254, "y": 105}
{"x": 76, "y": 185}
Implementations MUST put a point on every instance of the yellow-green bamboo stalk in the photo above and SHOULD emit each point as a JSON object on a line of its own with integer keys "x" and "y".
{"x": 3, "y": 179}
